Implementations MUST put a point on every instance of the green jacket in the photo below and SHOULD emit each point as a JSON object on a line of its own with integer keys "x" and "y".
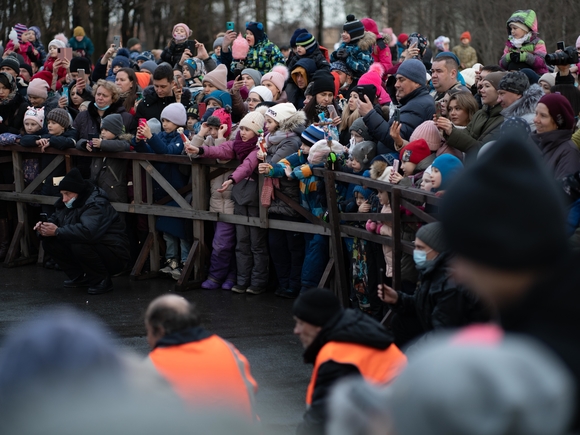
{"x": 466, "y": 54}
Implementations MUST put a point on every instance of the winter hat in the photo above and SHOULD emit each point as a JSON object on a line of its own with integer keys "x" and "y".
{"x": 440, "y": 41}
{"x": 193, "y": 111}
{"x": 149, "y": 65}
{"x": 113, "y": 123}
{"x": 371, "y": 26}
{"x": 278, "y": 76}
{"x": 466, "y": 35}
{"x": 254, "y": 74}
{"x": 154, "y": 125}
{"x": 433, "y": 236}
{"x": 450, "y": 167}
{"x": 20, "y": 29}
{"x": 56, "y": 43}
{"x": 281, "y": 112}
{"x": 218, "y": 77}
{"x": 175, "y": 112}
{"x": 403, "y": 38}
{"x": 145, "y": 56}
{"x": 468, "y": 76}
{"x": 264, "y": 93}
{"x": 240, "y": 48}
{"x": 307, "y": 41}
{"x": 549, "y": 78}
{"x": 43, "y": 75}
{"x": 80, "y": 62}
{"x": 122, "y": 51}
{"x": 520, "y": 25}
{"x": 415, "y": 151}
{"x": 312, "y": 135}
{"x": 448, "y": 55}
{"x": 187, "y": 30}
{"x": 560, "y": 110}
{"x": 320, "y": 150}
{"x": 73, "y": 181}
{"x": 253, "y": 121}
{"x": 380, "y": 170}
{"x": 414, "y": 70}
{"x": 430, "y": 133}
{"x": 515, "y": 82}
{"x": 36, "y": 115}
{"x": 195, "y": 67}
{"x": 222, "y": 97}
{"x": 207, "y": 114}
{"x": 317, "y": 306}
{"x": 223, "y": 116}
{"x": 121, "y": 61}
{"x": 27, "y": 67}
{"x": 364, "y": 152}
{"x": 354, "y": 28}
{"x": 494, "y": 78}
{"x": 132, "y": 41}
{"x": 12, "y": 63}
{"x": 339, "y": 65}
{"x": 361, "y": 128}
{"x": 37, "y": 88}
{"x": 257, "y": 30}
{"x": 36, "y": 31}
{"x": 78, "y": 31}
{"x": 515, "y": 126}
{"x": 218, "y": 42}
{"x": 533, "y": 78}
{"x": 295, "y": 36}
{"x": 322, "y": 81}
{"x": 60, "y": 116}
{"x": 374, "y": 77}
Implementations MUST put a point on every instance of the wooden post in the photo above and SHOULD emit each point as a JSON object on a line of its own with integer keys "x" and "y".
{"x": 397, "y": 246}
{"x": 154, "y": 254}
{"x": 263, "y": 210}
{"x": 199, "y": 201}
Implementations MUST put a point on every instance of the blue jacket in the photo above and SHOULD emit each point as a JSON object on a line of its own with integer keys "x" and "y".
{"x": 360, "y": 53}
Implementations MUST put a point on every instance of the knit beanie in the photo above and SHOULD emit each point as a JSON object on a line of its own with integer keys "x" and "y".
{"x": 224, "y": 118}
{"x": 428, "y": 131}
{"x": 187, "y": 31}
{"x": 56, "y": 43}
{"x": 121, "y": 61}
{"x": 322, "y": 81}
{"x": 254, "y": 74}
{"x": 20, "y": 29}
{"x": 145, "y": 56}
{"x": 295, "y": 36}
{"x": 218, "y": 77}
{"x": 60, "y": 116}
{"x": 366, "y": 192}
{"x": 257, "y": 30}
{"x": 494, "y": 78}
{"x": 466, "y": 35}
{"x": 113, "y": 123}
{"x": 264, "y": 93}
{"x": 403, "y": 38}
{"x": 222, "y": 97}
{"x": 73, "y": 181}
{"x": 549, "y": 78}
{"x": 354, "y": 28}
{"x": 560, "y": 110}
{"x": 278, "y": 76}
{"x": 37, "y": 88}
{"x": 307, "y": 41}
{"x": 450, "y": 167}
{"x": 468, "y": 75}
{"x": 12, "y": 63}
{"x": 132, "y": 41}
{"x": 36, "y": 31}
{"x": 149, "y": 65}
{"x": 361, "y": 128}
{"x": 339, "y": 65}
{"x": 533, "y": 78}
{"x": 433, "y": 236}
{"x": 364, "y": 152}
{"x": 515, "y": 82}
{"x": 253, "y": 121}
{"x": 415, "y": 151}
{"x": 80, "y": 62}
{"x": 312, "y": 135}
{"x": 78, "y": 31}
{"x": 218, "y": 42}
{"x": 281, "y": 112}
{"x": 320, "y": 150}
{"x": 175, "y": 112}
{"x": 34, "y": 114}
{"x": 317, "y": 306}
{"x": 27, "y": 67}
{"x": 154, "y": 125}
{"x": 414, "y": 70}
{"x": 374, "y": 77}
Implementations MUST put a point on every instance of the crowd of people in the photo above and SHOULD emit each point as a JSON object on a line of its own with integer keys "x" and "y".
{"x": 498, "y": 143}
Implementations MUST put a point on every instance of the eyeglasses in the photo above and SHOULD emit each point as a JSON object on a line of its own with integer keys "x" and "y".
{"x": 253, "y": 100}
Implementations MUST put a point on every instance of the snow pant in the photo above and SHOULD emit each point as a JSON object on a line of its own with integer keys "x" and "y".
{"x": 252, "y": 258}
{"x": 223, "y": 259}
{"x": 315, "y": 259}
{"x": 287, "y": 251}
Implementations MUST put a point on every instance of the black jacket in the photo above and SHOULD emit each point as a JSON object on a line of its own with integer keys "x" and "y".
{"x": 351, "y": 326}
{"x": 152, "y": 105}
{"x": 92, "y": 220}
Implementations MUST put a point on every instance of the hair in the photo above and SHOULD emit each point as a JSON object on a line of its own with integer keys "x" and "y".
{"x": 6, "y": 81}
{"x": 465, "y": 101}
{"x": 310, "y": 110}
{"x": 131, "y": 96}
{"x": 450, "y": 63}
{"x": 171, "y": 319}
{"x": 492, "y": 68}
{"x": 348, "y": 118}
{"x": 109, "y": 86}
{"x": 163, "y": 71}
{"x": 572, "y": 94}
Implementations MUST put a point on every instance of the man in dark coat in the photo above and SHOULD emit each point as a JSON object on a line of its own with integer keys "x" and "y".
{"x": 505, "y": 219}
{"x": 85, "y": 235}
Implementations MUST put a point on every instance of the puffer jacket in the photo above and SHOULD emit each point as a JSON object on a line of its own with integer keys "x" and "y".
{"x": 172, "y": 53}
{"x": 359, "y": 53}
{"x": 263, "y": 56}
{"x": 92, "y": 219}
{"x": 559, "y": 152}
{"x": 88, "y": 123}
{"x": 152, "y": 105}
{"x": 525, "y": 107}
{"x": 316, "y": 56}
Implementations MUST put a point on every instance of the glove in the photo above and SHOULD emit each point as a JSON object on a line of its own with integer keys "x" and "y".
{"x": 379, "y": 226}
{"x": 341, "y": 54}
{"x": 371, "y": 226}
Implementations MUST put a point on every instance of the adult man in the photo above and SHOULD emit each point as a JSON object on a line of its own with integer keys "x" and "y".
{"x": 518, "y": 98}
{"x": 340, "y": 343}
{"x": 416, "y": 106}
{"x": 444, "y": 75}
{"x": 514, "y": 253}
{"x": 204, "y": 369}
{"x": 163, "y": 92}
{"x": 85, "y": 235}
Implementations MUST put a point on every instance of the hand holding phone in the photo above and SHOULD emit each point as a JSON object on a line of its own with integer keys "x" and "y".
{"x": 397, "y": 115}
{"x": 43, "y": 217}
{"x": 438, "y": 109}
{"x": 396, "y": 165}
{"x": 332, "y": 111}
{"x": 117, "y": 41}
{"x": 230, "y": 25}
{"x": 560, "y": 46}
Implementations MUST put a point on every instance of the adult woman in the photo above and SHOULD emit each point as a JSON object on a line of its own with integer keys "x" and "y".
{"x": 323, "y": 98}
{"x": 547, "y": 82}
{"x": 461, "y": 108}
{"x": 126, "y": 80}
{"x": 554, "y": 122}
{"x": 258, "y": 95}
{"x": 349, "y": 115}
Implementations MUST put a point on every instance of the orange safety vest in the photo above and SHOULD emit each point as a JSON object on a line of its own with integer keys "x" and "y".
{"x": 209, "y": 373}
{"x": 376, "y": 366}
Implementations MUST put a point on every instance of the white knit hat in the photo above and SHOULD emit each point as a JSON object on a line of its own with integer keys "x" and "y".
{"x": 57, "y": 43}
{"x": 263, "y": 92}
{"x": 320, "y": 151}
{"x": 175, "y": 112}
{"x": 254, "y": 121}
{"x": 281, "y": 112}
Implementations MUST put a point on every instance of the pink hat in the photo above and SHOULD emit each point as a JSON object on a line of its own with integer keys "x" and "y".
{"x": 428, "y": 131}
{"x": 373, "y": 77}
{"x": 38, "y": 88}
{"x": 36, "y": 115}
{"x": 187, "y": 30}
{"x": 278, "y": 76}
{"x": 225, "y": 118}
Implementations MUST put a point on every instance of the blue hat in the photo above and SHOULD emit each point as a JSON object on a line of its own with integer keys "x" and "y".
{"x": 257, "y": 30}
{"x": 307, "y": 41}
{"x": 207, "y": 114}
{"x": 145, "y": 56}
{"x": 449, "y": 166}
{"x": 339, "y": 65}
{"x": 295, "y": 35}
{"x": 121, "y": 61}
{"x": 312, "y": 135}
{"x": 448, "y": 54}
{"x": 414, "y": 70}
{"x": 222, "y": 97}
{"x": 364, "y": 191}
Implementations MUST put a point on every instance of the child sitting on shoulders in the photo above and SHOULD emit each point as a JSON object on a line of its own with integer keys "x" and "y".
{"x": 356, "y": 47}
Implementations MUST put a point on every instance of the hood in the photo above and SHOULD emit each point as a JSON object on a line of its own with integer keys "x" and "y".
{"x": 308, "y": 64}
{"x": 88, "y": 194}
{"x": 371, "y": 26}
{"x": 527, "y": 17}
{"x": 350, "y": 326}
{"x": 525, "y": 105}
{"x": 367, "y": 41}
{"x": 294, "y": 123}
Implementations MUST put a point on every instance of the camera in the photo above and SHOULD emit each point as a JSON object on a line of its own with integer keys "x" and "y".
{"x": 567, "y": 56}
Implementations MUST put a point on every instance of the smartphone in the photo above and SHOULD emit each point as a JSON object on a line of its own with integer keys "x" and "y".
{"x": 202, "y": 108}
{"x": 116, "y": 41}
{"x": 43, "y": 217}
{"x": 397, "y": 115}
{"x": 438, "y": 109}
{"x": 68, "y": 54}
{"x": 332, "y": 111}
{"x": 230, "y": 25}
{"x": 65, "y": 93}
{"x": 396, "y": 164}
{"x": 142, "y": 121}
{"x": 81, "y": 74}
{"x": 560, "y": 46}
{"x": 60, "y": 52}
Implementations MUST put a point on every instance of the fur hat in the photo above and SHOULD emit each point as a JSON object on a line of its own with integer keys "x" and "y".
{"x": 432, "y": 235}
{"x": 218, "y": 77}
{"x": 414, "y": 70}
{"x": 353, "y": 27}
{"x": 361, "y": 128}
{"x": 466, "y": 35}
{"x": 254, "y": 74}
{"x": 415, "y": 151}
{"x": 175, "y": 112}
{"x": 257, "y": 30}
{"x": 278, "y": 75}
{"x": 38, "y": 88}
{"x": 307, "y": 41}
{"x": 113, "y": 123}
{"x": 56, "y": 43}
{"x": 364, "y": 152}
{"x": 73, "y": 181}
{"x": 281, "y": 112}
{"x": 253, "y": 121}
{"x": 374, "y": 77}
{"x": 240, "y": 48}
{"x": 560, "y": 110}
{"x": 185, "y": 26}
{"x": 428, "y": 131}
{"x": 60, "y": 116}
{"x": 264, "y": 93}
{"x": 312, "y": 135}
{"x": 34, "y": 114}
{"x": 320, "y": 150}
{"x": 515, "y": 82}
{"x": 78, "y": 31}
{"x": 380, "y": 170}
{"x": 223, "y": 116}
{"x": 222, "y": 97}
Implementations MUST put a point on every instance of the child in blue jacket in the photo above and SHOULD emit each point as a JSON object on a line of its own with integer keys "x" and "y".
{"x": 356, "y": 48}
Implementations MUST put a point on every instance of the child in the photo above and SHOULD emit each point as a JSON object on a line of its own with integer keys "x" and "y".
{"x": 34, "y": 39}
{"x": 524, "y": 48}
{"x": 444, "y": 170}
{"x": 415, "y": 158}
{"x": 465, "y": 52}
{"x": 107, "y": 173}
{"x": 359, "y": 132}
{"x": 22, "y": 45}
{"x": 381, "y": 51}
{"x": 177, "y": 45}
{"x": 356, "y": 47}
{"x": 218, "y": 99}
{"x": 33, "y": 124}
{"x": 168, "y": 142}
{"x": 426, "y": 182}
{"x": 275, "y": 81}
{"x": 82, "y": 46}
{"x": 361, "y": 154}
{"x": 51, "y": 59}
{"x": 307, "y": 46}
{"x": 251, "y": 258}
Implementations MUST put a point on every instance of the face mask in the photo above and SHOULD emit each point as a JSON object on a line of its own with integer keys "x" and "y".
{"x": 178, "y": 37}
{"x": 420, "y": 257}
{"x": 69, "y": 204}
{"x": 102, "y": 108}
{"x": 352, "y": 142}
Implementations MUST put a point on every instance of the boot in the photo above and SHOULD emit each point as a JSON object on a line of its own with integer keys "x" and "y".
{"x": 4, "y": 239}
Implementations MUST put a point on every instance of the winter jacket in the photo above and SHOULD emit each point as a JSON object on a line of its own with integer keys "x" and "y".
{"x": 439, "y": 302}
{"x": 525, "y": 107}
{"x": 263, "y": 56}
{"x": 357, "y": 54}
{"x": 381, "y": 50}
{"x": 41, "y": 51}
{"x": 172, "y": 54}
{"x": 576, "y": 138}
{"x": 88, "y": 122}
{"x": 559, "y": 152}
{"x": 316, "y": 56}
{"x": 466, "y": 54}
{"x": 294, "y": 94}
{"x": 91, "y": 220}
{"x": 415, "y": 179}
{"x": 416, "y": 108}
{"x": 8, "y": 111}
{"x": 348, "y": 327}
{"x": 26, "y": 50}
{"x": 49, "y": 66}
{"x": 151, "y": 106}
{"x": 532, "y": 53}
{"x": 85, "y": 47}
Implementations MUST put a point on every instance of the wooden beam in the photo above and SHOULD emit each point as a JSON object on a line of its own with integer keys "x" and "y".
{"x": 43, "y": 175}
{"x": 165, "y": 185}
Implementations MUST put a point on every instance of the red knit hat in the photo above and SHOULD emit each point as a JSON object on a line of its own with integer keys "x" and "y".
{"x": 415, "y": 151}
{"x": 466, "y": 35}
{"x": 225, "y": 118}
{"x": 403, "y": 38}
{"x": 560, "y": 110}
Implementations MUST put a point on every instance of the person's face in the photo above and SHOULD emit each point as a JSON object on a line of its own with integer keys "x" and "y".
{"x": 444, "y": 105}
{"x": 152, "y": 336}
{"x": 191, "y": 122}
{"x": 186, "y": 73}
{"x": 300, "y": 51}
{"x": 404, "y": 86}
{"x": 307, "y": 99}
{"x": 285, "y": 52}
{"x": 355, "y": 165}
{"x": 301, "y": 81}
{"x": 506, "y": 99}
{"x": 246, "y": 134}
{"x": 10, "y": 71}
{"x": 103, "y": 97}
{"x": 446, "y": 46}
{"x": 408, "y": 168}
{"x": 435, "y": 178}
{"x": 442, "y": 77}
{"x": 271, "y": 125}
{"x": 24, "y": 74}
{"x": 218, "y": 50}
{"x": 168, "y": 126}
{"x": 52, "y": 51}
{"x": 488, "y": 94}
{"x": 341, "y": 77}
{"x": 136, "y": 47}
{"x": 180, "y": 34}
{"x": 75, "y": 98}
{"x": 426, "y": 182}
{"x": 543, "y": 120}
{"x": 305, "y": 148}
{"x": 383, "y": 196}
{"x": 107, "y": 135}
{"x": 4, "y": 92}
{"x": 357, "y": 137}
{"x": 482, "y": 75}
{"x": 517, "y": 33}
{"x": 213, "y": 104}
{"x": 458, "y": 115}
{"x": 208, "y": 88}
{"x": 179, "y": 76}
{"x": 248, "y": 81}
{"x": 162, "y": 88}
{"x": 353, "y": 101}
{"x": 422, "y": 246}
{"x": 36, "y": 101}
{"x": 140, "y": 62}
{"x": 54, "y": 128}
{"x": 275, "y": 91}
{"x": 66, "y": 195}
{"x": 324, "y": 98}
{"x": 253, "y": 100}
{"x": 306, "y": 332}
{"x": 345, "y": 37}
{"x": 465, "y": 41}
{"x": 250, "y": 38}
{"x": 30, "y": 36}
{"x": 31, "y": 127}
{"x": 79, "y": 38}
{"x": 546, "y": 87}
{"x": 359, "y": 199}
{"x": 122, "y": 80}
{"x": 213, "y": 132}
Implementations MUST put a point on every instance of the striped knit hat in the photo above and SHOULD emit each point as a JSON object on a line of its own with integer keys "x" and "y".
{"x": 307, "y": 41}
{"x": 312, "y": 135}
{"x": 20, "y": 29}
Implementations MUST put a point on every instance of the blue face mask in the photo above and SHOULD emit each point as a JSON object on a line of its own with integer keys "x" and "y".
{"x": 102, "y": 108}
{"x": 420, "y": 257}
{"x": 69, "y": 204}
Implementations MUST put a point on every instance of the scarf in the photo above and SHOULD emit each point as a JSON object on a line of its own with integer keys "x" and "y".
{"x": 521, "y": 41}
{"x": 241, "y": 148}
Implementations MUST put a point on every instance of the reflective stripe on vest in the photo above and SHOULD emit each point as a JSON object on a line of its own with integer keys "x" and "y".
{"x": 209, "y": 373}
{"x": 376, "y": 366}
